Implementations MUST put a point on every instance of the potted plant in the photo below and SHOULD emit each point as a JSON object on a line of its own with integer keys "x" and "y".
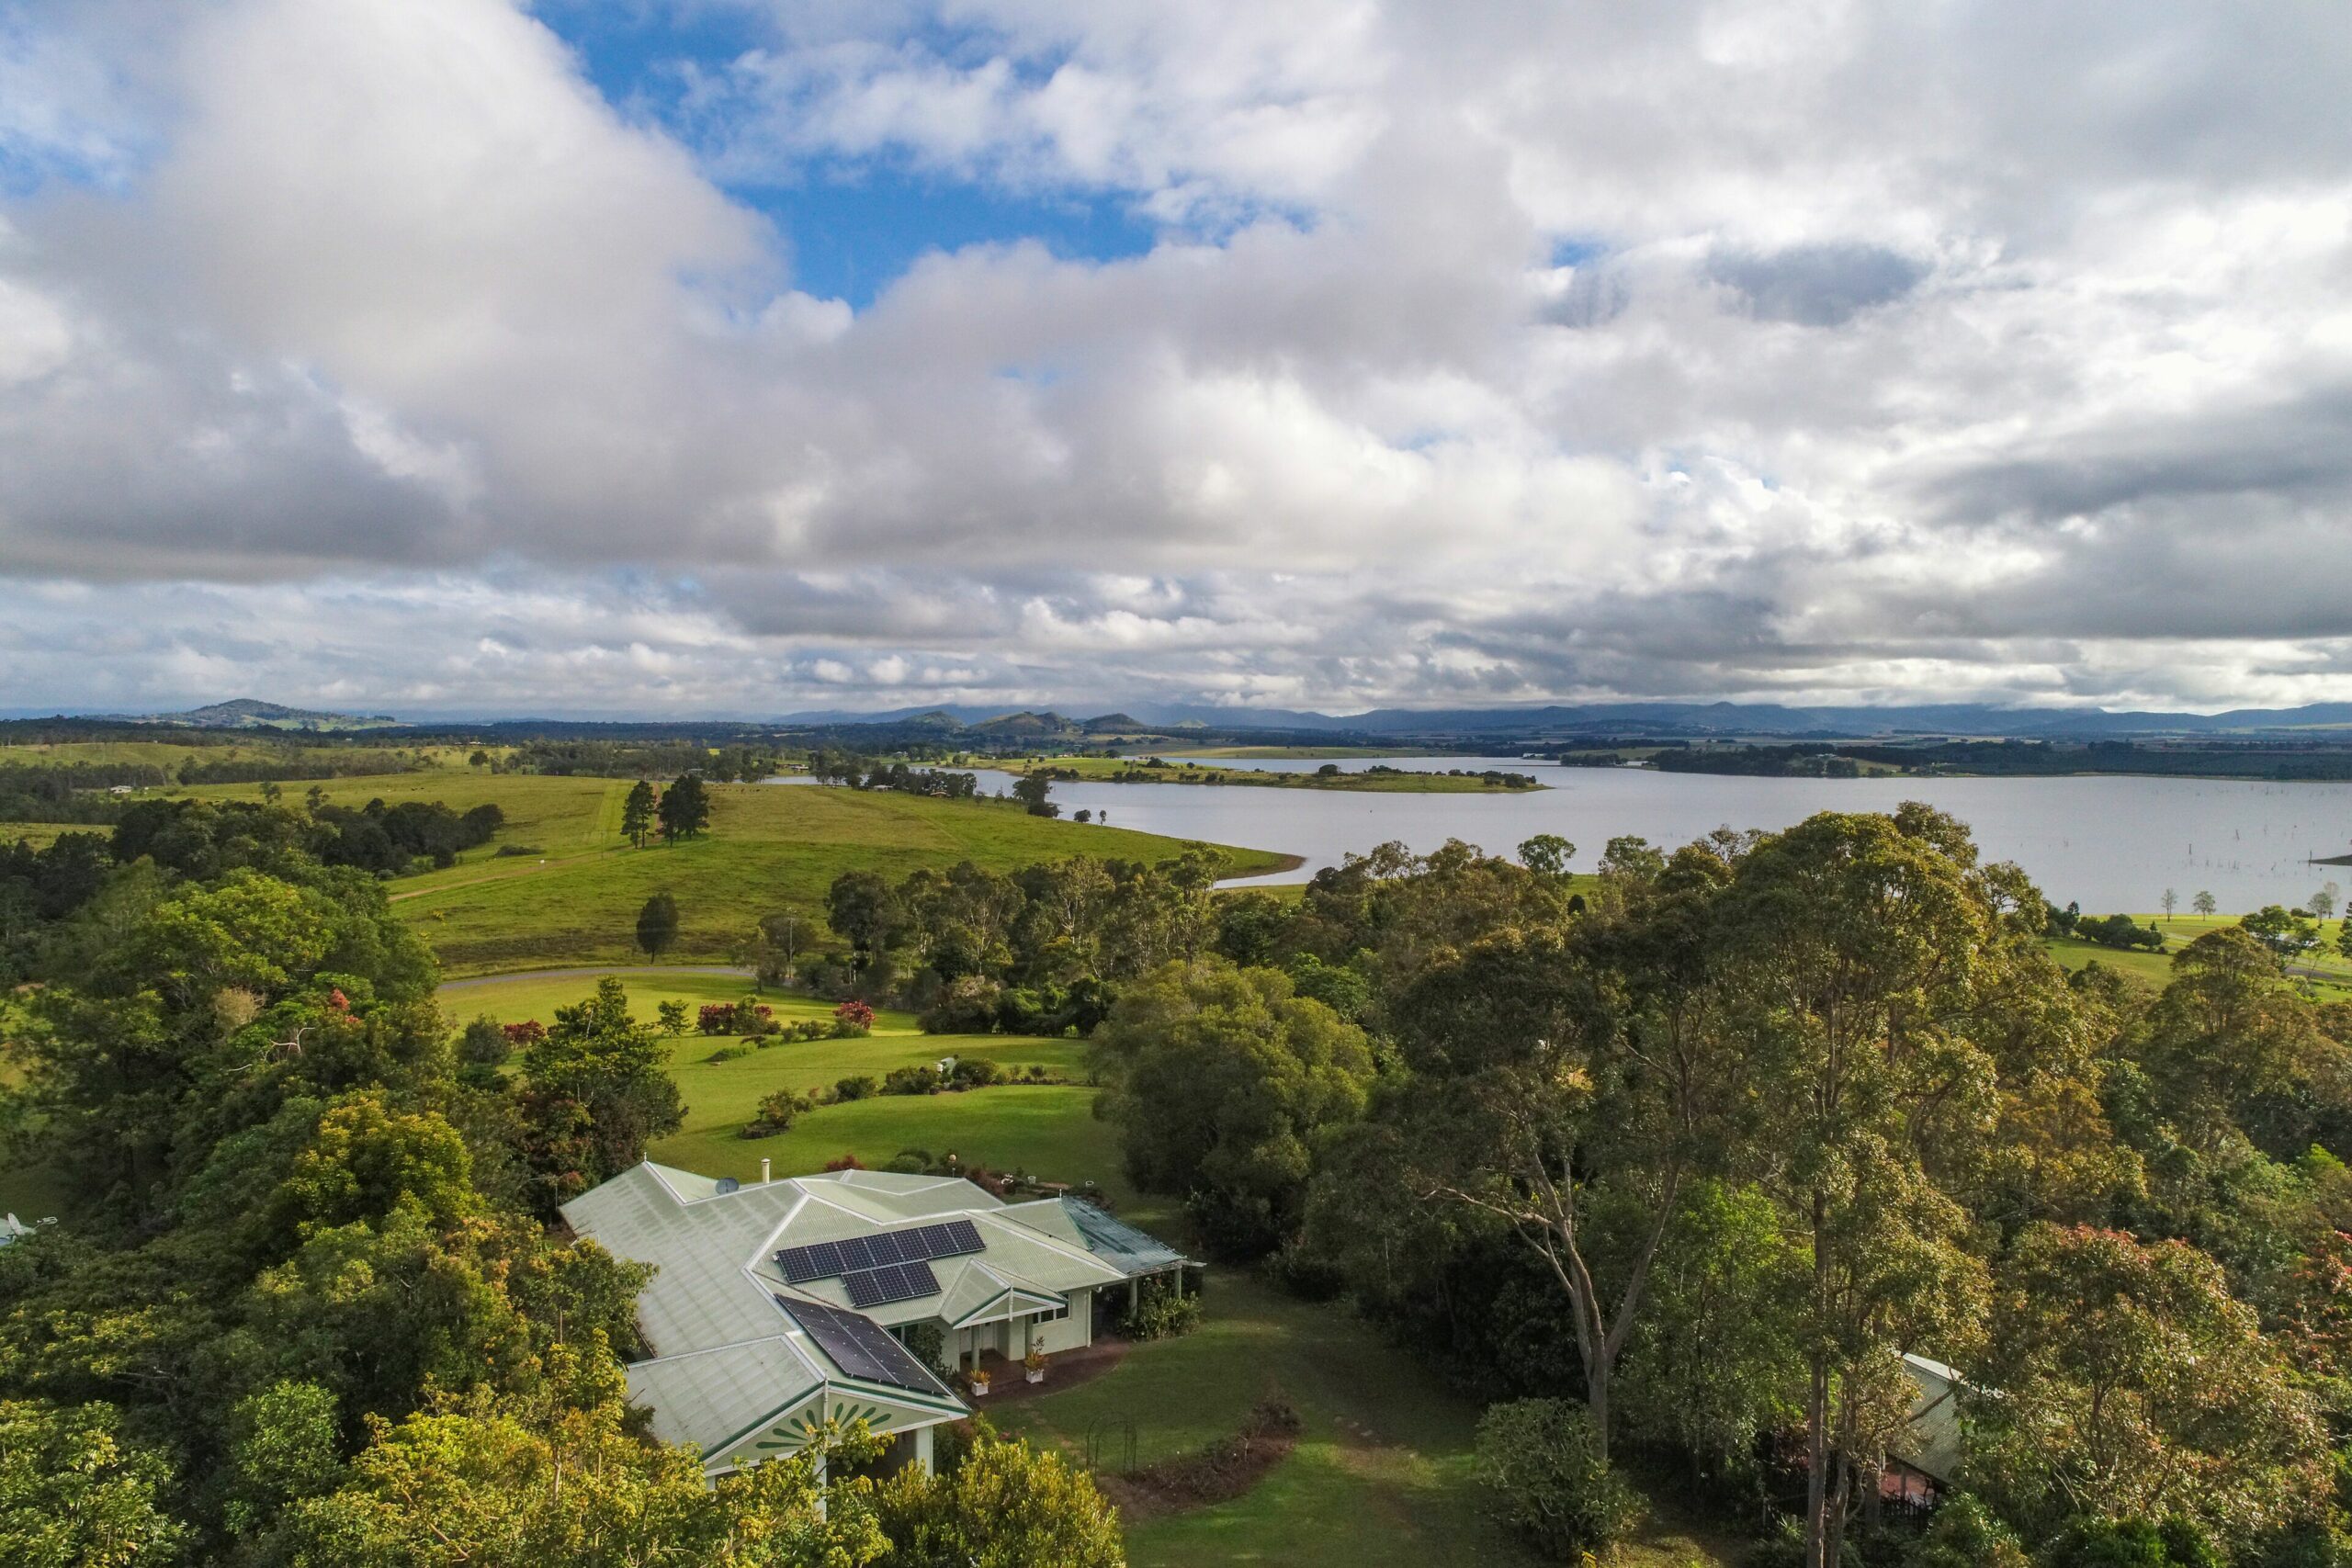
{"x": 1034, "y": 1364}
{"x": 979, "y": 1381}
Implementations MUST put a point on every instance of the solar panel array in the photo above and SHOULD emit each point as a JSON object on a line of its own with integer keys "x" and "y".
{"x": 857, "y": 1254}
{"x": 891, "y": 1282}
{"x": 861, "y": 1348}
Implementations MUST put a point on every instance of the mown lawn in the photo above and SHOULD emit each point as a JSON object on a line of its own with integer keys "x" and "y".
{"x": 1047, "y": 1130}
{"x": 770, "y": 847}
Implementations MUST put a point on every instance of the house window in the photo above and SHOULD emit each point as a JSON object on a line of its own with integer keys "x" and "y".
{"x": 1061, "y": 1311}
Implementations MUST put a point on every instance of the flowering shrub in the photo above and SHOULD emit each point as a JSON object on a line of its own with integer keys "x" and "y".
{"x": 856, "y": 1012}
{"x": 716, "y": 1017}
{"x": 528, "y": 1032}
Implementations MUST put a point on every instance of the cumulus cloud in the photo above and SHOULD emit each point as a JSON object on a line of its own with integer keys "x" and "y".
{"x": 1713, "y": 347}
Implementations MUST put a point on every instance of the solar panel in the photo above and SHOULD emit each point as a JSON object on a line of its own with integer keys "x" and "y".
{"x": 820, "y": 1261}
{"x": 858, "y": 1254}
{"x": 861, "y": 1348}
{"x": 891, "y": 1282}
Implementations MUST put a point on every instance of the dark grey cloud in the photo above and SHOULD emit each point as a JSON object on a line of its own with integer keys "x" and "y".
{"x": 1816, "y": 286}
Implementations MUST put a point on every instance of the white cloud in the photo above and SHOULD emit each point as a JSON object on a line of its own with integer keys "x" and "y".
{"x": 1806, "y": 347}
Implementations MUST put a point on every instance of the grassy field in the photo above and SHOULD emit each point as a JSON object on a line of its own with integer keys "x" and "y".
{"x": 41, "y": 835}
{"x": 770, "y": 847}
{"x": 2329, "y": 972}
{"x": 1045, "y": 1129}
{"x": 1122, "y": 770}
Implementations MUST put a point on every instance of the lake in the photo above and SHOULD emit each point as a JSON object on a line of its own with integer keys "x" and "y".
{"x": 2112, "y": 844}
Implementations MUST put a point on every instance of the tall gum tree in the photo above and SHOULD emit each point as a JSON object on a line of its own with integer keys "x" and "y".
{"x": 1559, "y": 1069}
{"x": 1866, "y": 962}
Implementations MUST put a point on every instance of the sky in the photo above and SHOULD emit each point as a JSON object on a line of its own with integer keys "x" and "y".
{"x": 688, "y": 357}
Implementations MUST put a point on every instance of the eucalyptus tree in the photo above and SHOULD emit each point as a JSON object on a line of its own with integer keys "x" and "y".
{"x": 1558, "y": 1072}
{"x": 1874, "y": 973}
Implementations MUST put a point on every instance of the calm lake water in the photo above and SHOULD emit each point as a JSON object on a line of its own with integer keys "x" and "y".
{"x": 2112, "y": 844}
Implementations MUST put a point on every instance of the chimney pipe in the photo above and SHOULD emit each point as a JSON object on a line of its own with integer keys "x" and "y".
{"x": 764, "y": 1178}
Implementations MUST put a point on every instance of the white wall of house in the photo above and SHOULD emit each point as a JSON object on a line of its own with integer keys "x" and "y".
{"x": 1071, "y": 1331}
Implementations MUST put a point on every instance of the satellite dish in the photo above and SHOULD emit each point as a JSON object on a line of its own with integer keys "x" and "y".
{"x": 728, "y": 1184}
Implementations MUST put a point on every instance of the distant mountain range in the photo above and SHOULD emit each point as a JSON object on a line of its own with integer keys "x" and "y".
{"x": 1727, "y": 720}
{"x": 249, "y": 713}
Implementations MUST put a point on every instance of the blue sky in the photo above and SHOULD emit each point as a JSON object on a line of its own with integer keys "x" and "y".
{"x": 849, "y": 227}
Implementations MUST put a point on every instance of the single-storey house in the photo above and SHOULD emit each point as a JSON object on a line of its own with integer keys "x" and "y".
{"x": 776, "y": 1305}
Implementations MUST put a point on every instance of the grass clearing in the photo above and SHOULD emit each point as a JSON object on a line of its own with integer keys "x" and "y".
{"x": 1046, "y": 1129}
{"x": 41, "y": 835}
{"x": 770, "y": 847}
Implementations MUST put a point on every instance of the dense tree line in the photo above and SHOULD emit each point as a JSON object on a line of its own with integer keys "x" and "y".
{"x": 1039, "y": 950}
{"x": 2234, "y": 758}
{"x": 77, "y": 792}
{"x": 1698, "y": 1151}
{"x": 307, "y": 1311}
{"x": 741, "y": 763}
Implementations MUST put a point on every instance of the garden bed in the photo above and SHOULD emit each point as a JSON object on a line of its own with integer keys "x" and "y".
{"x": 1218, "y": 1473}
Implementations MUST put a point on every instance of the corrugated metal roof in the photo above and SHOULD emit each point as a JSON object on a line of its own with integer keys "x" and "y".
{"x": 1935, "y": 1439}
{"x": 726, "y": 1357}
{"x": 1117, "y": 1243}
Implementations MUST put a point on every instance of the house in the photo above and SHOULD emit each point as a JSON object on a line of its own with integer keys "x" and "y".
{"x": 776, "y": 1305}
{"x": 1922, "y": 1463}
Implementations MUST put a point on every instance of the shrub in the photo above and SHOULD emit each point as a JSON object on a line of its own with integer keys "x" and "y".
{"x": 1160, "y": 1312}
{"x": 776, "y": 1113}
{"x": 856, "y": 1012}
{"x": 524, "y": 1035}
{"x": 926, "y": 1342}
{"x": 2134, "y": 1543}
{"x": 911, "y": 1080}
{"x": 844, "y": 1162}
{"x": 759, "y": 1022}
{"x": 1541, "y": 1460}
{"x": 716, "y": 1018}
{"x": 974, "y": 1072}
{"x": 910, "y": 1162}
{"x": 859, "y": 1087}
{"x": 813, "y": 1028}
{"x": 673, "y": 1015}
{"x": 849, "y": 1028}
{"x": 729, "y": 1054}
{"x": 1966, "y": 1535}
{"x": 485, "y": 1043}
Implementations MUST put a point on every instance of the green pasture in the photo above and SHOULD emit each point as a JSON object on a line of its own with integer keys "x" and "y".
{"x": 769, "y": 848}
{"x": 1045, "y": 1129}
{"x": 41, "y": 835}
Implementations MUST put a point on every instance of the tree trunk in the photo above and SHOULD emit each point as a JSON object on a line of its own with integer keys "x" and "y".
{"x": 1816, "y": 1412}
